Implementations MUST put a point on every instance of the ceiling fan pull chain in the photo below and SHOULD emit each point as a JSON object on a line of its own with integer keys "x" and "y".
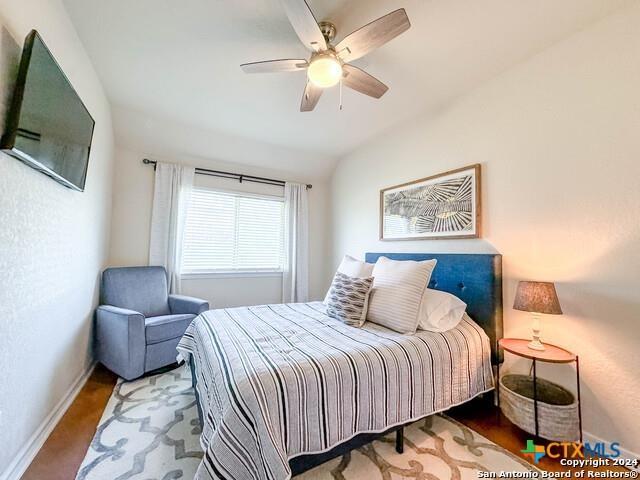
{"x": 340, "y": 94}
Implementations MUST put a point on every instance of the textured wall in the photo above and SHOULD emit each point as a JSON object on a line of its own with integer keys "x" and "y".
{"x": 558, "y": 138}
{"x": 53, "y": 242}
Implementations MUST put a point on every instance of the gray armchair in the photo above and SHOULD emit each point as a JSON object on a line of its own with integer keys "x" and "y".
{"x": 139, "y": 325}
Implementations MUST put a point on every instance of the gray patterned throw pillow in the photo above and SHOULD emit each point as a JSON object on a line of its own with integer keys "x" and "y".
{"x": 348, "y": 299}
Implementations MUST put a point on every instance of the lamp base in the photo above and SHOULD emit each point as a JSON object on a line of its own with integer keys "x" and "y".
{"x": 536, "y": 345}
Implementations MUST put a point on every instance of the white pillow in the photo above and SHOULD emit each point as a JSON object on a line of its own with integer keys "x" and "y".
{"x": 398, "y": 287}
{"x": 354, "y": 268}
{"x": 440, "y": 311}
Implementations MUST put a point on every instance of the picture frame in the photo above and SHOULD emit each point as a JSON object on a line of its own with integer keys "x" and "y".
{"x": 442, "y": 206}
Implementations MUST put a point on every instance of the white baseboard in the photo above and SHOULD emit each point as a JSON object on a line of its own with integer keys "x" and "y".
{"x": 624, "y": 453}
{"x": 30, "y": 449}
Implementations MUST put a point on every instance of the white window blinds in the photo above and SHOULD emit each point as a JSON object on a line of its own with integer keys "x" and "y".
{"x": 233, "y": 232}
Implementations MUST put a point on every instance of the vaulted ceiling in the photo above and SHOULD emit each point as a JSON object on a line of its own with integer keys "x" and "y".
{"x": 180, "y": 60}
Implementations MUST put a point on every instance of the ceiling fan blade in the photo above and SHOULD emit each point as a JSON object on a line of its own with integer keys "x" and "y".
{"x": 305, "y": 24}
{"x": 362, "y": 82}
{"x": 373, "y": 35}
{"x": 310, "y": 97}
{"x": 272, "y": 66}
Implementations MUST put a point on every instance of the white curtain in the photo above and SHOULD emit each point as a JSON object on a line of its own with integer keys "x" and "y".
{"x": 171, "y": 197}
{"x": 295, "y": 279}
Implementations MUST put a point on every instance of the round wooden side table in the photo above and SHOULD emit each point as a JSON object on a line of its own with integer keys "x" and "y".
{"x": 551, "y": 354}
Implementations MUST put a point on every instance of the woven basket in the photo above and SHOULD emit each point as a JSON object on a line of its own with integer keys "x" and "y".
{"x": 557, "y": 408}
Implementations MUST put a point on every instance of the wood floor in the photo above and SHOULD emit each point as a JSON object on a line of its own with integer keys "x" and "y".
{"x": 62, "y": 453}
{"x": 64, "y": 450}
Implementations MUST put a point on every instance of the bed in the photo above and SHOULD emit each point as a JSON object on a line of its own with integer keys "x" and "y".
{"x": 283, "y": 388}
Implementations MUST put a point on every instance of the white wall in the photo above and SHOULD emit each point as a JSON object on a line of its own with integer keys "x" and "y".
{"x": 133, "y": 198}
{"x": 53, "y": 244}
{"x": 558, "y": 138}
{"x": 148, "y": 132}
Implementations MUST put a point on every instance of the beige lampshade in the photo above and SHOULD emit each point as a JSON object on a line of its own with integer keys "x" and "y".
{"x": 538, "y": 297}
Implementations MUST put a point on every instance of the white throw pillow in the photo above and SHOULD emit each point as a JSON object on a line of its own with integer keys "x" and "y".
{"x": 397, "y": 292}
{"x": 354, "y": 268}
{"x": 440, "y": 311}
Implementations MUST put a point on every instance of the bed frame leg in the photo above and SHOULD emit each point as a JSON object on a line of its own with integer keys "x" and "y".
{"x": 400, "y": 440}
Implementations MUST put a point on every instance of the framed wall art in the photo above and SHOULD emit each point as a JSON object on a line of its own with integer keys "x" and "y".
{"x": 443, "y": 206}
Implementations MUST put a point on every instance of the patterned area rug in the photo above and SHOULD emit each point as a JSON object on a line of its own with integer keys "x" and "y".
{"x": 150, "y": 430}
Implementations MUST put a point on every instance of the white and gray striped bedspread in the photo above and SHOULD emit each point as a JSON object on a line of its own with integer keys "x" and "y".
{"x": 277, "y": 381}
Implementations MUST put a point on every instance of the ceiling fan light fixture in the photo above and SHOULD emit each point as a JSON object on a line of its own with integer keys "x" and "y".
{"x": 329, "y": 64}
{"x": 324, "y": 71}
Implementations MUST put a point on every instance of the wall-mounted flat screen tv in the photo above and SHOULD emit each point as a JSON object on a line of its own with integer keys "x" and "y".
{"x": 48, "y": 126}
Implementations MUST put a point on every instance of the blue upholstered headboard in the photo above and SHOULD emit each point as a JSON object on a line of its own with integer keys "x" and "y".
{"x": 474, "y": 278}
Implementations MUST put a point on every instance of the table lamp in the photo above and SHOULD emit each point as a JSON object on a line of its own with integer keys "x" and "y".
{"x": 537, "y": 298}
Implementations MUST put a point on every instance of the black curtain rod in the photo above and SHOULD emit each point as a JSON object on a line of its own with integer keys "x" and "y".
{"x": 234, "y": 176}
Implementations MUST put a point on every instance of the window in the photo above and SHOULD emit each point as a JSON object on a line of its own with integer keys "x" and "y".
{"x": 233, "y": 232}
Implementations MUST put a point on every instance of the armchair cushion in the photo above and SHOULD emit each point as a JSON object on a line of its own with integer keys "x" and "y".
{"x": 165, "y": 327}
{"x": 184, "y": 304}
{"x": 143, "y": 289}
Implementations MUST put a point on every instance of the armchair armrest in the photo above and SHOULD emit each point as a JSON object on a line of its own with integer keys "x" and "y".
{"x": 110, "y": 310}
{"x": 184, "y": 304}
{"x": 120, "y": 340}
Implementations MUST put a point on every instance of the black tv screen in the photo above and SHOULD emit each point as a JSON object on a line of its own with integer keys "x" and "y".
{"x": 48, "y": 126}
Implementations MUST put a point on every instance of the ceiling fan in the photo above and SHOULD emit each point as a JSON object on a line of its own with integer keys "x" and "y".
{"x": 328, "y": 65}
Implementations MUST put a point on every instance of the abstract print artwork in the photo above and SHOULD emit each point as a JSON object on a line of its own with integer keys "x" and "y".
{"x": 442, "y": 206}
